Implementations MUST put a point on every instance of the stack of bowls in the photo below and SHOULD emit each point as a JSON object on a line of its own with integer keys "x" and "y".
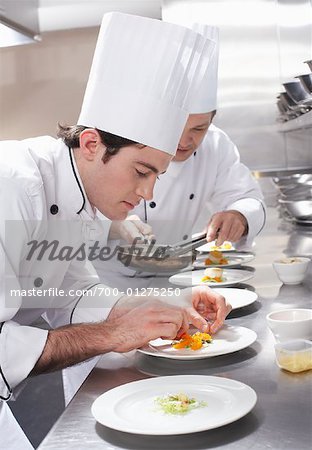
{"x": 297, "y": 98}
{"x": 295, "y": 197}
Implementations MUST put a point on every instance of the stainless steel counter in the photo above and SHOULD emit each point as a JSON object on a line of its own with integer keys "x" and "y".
{"x": 282, "y": 417}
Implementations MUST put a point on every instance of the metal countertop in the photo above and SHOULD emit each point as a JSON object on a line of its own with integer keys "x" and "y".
{"x": 282, "y": 417}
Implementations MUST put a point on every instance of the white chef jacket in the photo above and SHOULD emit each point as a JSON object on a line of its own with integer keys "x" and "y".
{"x": 213, "y": 179}
{"x": 41, "y": 197}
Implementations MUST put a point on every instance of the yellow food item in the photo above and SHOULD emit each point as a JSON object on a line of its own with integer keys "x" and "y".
{"x": 213, "y": 274}
{"x": 225, "y": 246}
{"x": 216, "y": 257}
{"x": 216, "y": 279}
{"x": 194, "y": 341}
{"x": 291, "y": 260}
{"x": 298, "y": 362}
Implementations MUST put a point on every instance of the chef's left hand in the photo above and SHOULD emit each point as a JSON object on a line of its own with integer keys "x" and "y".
{"x": 207, "y": 305}
{"x": 227, "y": 226}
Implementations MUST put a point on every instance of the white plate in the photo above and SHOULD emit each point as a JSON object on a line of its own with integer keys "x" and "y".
{"x": 211, "y": 246}
{"x": 228, "y": 340}
{"x": 193, "y": 278}
{"x": 130, "y": 408}
{"x": 234, "y": 259}
{"x": 238, "y": 298}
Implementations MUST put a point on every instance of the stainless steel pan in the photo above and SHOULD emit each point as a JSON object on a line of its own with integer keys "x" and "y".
{"x": 153, "y": 258}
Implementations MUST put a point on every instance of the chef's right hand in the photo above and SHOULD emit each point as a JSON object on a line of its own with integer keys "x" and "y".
{"x": 228, "y": 225}
{"x": 130, "y": 229}
{"x": 132, "y": 327}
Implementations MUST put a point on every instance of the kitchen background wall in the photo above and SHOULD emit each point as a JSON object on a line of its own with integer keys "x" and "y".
{"x": 41, "y": 84}
{"x": 263, "y": 43}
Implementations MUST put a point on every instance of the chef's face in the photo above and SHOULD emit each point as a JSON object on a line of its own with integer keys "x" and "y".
{"x": 193, "y": 135}
{"x": 117, "y": 186}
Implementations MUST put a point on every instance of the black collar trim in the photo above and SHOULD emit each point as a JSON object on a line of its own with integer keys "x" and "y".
{"x": 77, "y": 179}
{"x": 10, "y": 392}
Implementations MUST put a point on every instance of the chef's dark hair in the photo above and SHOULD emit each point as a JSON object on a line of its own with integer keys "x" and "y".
{"x": 113, "y": 143}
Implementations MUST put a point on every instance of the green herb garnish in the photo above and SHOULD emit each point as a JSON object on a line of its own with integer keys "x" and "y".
{"x": 178, "y": 403}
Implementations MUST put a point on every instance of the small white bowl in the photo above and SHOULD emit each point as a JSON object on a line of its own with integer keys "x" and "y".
{"x": 289, "y": 324}
{"x": 295, "y": 355}
{"x": 291, "y": 270}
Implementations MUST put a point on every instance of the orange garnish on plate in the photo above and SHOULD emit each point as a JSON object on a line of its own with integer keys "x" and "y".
{"x": 194, "y": 342}
{"x": 215, "y": 279}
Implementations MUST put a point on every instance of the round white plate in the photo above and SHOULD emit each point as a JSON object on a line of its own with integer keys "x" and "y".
{"x": 210, "y": 246}
{"x": 193, "y": 278}
{"x": 238, "y": 298}
{"x": 234, "y": 259}
{"x": 131, "y": 407}
{"x": 228, "y": 340}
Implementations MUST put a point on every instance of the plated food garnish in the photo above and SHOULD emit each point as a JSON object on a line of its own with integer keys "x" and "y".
{"x": 178, "y": 403}
{"x": 214, "y": 275}
{"x": 193, "y": 341}
{"x": 227, "y": 340}
{"x": 290, "y": 260}
{"x": 216, "y": 257}
{"x": 225, "y": 246}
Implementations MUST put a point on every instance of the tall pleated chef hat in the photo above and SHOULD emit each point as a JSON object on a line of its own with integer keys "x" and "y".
{"x": 143, "y": 77}
{"x": 205, "y": 99}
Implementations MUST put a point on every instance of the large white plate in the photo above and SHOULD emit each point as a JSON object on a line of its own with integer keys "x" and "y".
{"x": 228, "y": 340}
{"x": 238, "y": 298}
{"x": 130, "y": 408}
{"x": 193, "y": 278}
{"x": 234, "y": 259}
{"x": 212, "y": 246}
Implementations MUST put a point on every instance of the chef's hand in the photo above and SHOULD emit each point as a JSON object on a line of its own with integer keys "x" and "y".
{"x": 130, "y": 229}
{"x": 137, "y": 320}
{"x": 207, "y": 305}
{"x": 134, "y": 323}
{"x": 227, "y": 226}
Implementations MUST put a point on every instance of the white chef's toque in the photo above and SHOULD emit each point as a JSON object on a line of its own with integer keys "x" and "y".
{"x": 205, "y": 99}
{"x": 143, "y": 79}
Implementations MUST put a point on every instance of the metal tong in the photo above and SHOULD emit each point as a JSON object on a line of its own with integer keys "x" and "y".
{"x": 183, "y": 247}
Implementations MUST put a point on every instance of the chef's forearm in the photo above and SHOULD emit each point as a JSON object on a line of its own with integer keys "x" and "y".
{"x": 72, "y": 344}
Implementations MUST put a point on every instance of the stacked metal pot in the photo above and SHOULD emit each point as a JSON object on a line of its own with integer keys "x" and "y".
{"x": 295, "y": 197}
{"x": 297, "y": 97}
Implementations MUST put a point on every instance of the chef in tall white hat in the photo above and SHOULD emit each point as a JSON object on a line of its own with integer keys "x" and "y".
{"x": 51, "y": 189}
{"x": 205, "y": 174}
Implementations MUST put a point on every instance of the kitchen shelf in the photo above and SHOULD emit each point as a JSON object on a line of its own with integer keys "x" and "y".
{"x": 302, "y": 122}
{"x": 280, "y": 172}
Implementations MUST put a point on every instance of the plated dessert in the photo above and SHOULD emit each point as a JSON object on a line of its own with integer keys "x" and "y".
{"x": 198, "y": 345}
{"x": 214, "y": 275}
{"x": 227, "y": 246}
{"x": 178, "y": 403}
{"x": 216, "y": 257}
{"x": 222, "y": 259}
{"x": 194, "y": 341}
